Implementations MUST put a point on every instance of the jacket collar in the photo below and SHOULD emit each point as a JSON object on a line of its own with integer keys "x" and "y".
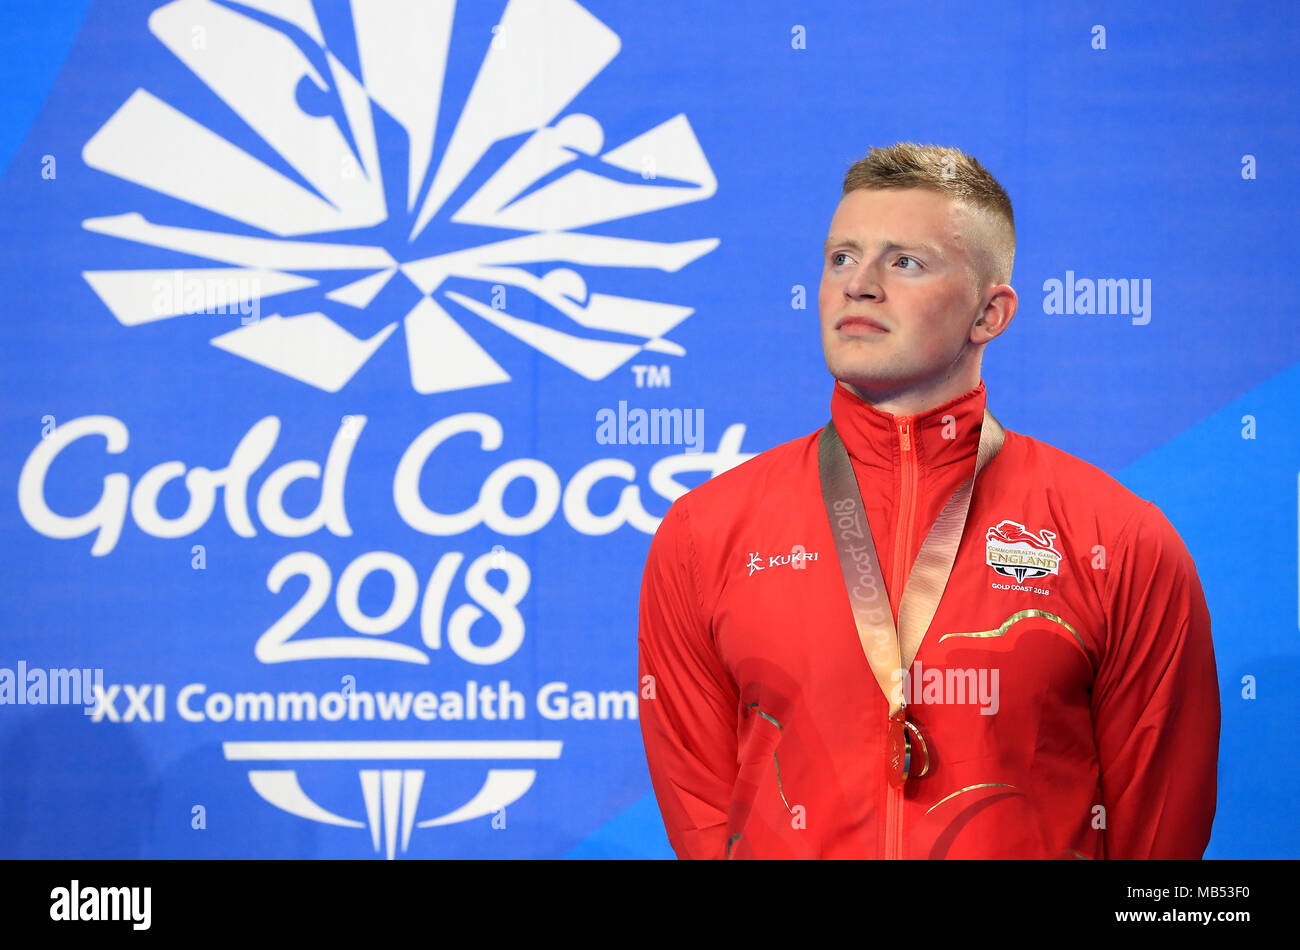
{"x": 876, "y": 438}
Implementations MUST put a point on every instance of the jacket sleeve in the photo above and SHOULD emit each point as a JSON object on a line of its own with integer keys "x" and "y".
{"x": 1155, "y": 701}
{"x": 688, "y": 699}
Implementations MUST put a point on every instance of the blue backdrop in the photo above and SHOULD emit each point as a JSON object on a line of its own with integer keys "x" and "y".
{"x": 313, "y": 307}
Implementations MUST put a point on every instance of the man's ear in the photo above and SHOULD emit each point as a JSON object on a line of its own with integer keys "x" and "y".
{"x": 997, "y": 313}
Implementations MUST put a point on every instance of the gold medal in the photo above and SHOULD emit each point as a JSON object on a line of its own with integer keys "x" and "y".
{"x": 907, "y": 754}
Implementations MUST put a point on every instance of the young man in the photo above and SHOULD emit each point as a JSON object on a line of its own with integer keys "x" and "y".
{"x": 1060, "y": 698}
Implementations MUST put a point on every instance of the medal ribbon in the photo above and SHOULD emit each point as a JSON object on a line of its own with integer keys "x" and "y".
{"x": 890, "y": 652}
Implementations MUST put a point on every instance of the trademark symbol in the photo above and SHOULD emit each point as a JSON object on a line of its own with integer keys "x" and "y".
{"x": 652, "y": 377}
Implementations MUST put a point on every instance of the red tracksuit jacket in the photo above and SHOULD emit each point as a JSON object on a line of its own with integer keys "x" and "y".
{"x": 1097, "y": 733}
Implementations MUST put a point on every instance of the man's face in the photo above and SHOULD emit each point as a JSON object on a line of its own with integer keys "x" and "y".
{"x": 901, "y": 259}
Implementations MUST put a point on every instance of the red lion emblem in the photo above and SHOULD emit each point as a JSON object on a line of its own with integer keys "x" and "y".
{"x": 1010, "y": 532}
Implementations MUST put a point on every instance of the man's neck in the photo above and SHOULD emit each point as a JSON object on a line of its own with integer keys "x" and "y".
{"x": 911, "y": 400}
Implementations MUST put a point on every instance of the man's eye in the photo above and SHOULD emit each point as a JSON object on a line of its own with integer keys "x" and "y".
{"x": 835, "y": 258}
{"x": 904, "y": 257}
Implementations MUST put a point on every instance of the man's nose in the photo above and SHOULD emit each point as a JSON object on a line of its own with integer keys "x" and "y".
{"x": 863, "y": 283}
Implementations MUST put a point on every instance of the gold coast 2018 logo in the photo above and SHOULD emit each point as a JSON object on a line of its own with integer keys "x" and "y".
{"x": 322, "y": 198}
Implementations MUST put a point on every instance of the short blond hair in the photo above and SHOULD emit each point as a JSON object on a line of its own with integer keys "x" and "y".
{"x": 951, "y": 172}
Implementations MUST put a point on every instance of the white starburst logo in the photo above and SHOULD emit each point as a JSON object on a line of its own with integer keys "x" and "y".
{"x": 317, "y": 171}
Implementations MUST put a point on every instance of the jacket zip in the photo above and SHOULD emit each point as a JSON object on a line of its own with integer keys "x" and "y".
{"x": 907, "y": 455}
